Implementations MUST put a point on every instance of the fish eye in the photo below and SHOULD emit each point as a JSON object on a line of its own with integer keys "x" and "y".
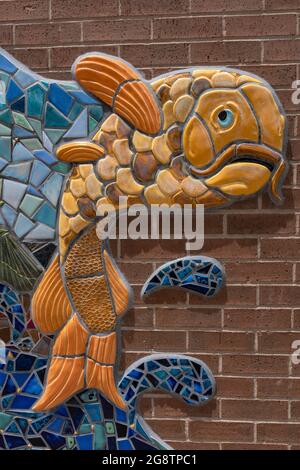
{"x": 225, "y": 118}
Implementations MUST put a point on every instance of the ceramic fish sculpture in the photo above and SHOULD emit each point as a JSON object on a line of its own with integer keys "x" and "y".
{"x": 207, "y": 136}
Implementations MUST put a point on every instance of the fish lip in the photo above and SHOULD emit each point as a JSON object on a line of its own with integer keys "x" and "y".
{"x": 250, "y": 152}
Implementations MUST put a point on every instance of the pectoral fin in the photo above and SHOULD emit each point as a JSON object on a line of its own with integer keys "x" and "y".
{"x": 122, "y": 87}
{"x": 50, "y": 306}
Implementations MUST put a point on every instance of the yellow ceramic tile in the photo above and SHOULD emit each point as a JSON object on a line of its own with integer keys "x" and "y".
{"x": 157, "y": 83}
{"x": 197, "y": 143}
{"x": 272, "y": 123}
{"x": 141, "y": 142}
{"x": 182, "y": 107}
{"x": 180, "y": 87}
{"x": 93, "y": 186}
{"x": 85, "y": 170}
{"x": 212, "y": 199}
{"x": 154, "y": 195}
{"x": 77, "y": 223}
{"x": 107, "y": 168}
{"x": 204, "y": 72}
{"x": 122, "y": 129}
{"x": 167, "y": 183}
{"x": 169, "y": 117}
{"x": 69, "y": 203}
{"x": 122, "y": 151}
{"x": 193, "y": 187}
{"x": 242, "y": 79}
{"x": 64, "y": 225}
{"x": 127, "y": 183}
{"x": 77, "y": 187}
{"x": 174, "y": 134}
{"x": 163, "y": 93}
{"x": 161, "y": 150}
{"x": 199, "y": 85}
{"x": 109, "y": 124}
{"x": 240, "y": 179}
{"x": 223, "y": 79}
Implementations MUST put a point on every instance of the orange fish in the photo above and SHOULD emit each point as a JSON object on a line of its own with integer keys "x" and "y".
{"x": 200, "y": 136}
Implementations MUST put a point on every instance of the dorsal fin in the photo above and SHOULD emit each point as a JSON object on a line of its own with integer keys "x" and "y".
{"x": 122, "y": 87}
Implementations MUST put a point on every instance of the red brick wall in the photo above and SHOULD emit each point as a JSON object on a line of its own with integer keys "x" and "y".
{"x": 245, "y": 334}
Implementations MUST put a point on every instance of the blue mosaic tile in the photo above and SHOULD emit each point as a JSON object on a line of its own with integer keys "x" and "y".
{"x": 60, "y": 99}
{"x": 14, "y": 92}
{"x": 21, "y": 153}
{"x": 13, "y": 192}
{"x": 39, "y": 173}
{"x": 199, "y": 274}
{"x": 79, "y": 128}
{"x": 18, "y": 171}
{"x": 46, "y": 214}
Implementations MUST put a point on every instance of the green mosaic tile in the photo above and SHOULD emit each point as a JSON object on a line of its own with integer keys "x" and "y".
{"x": 54, "y": 118}
{"x": 110, "y": 428}
{"x": 30, "y": 204}
{"x": 36, "y": 97}
{"x": 21, "y": 120}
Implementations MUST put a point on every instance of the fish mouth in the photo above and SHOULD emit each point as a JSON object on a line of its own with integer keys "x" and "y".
{"x": 251, "y": 153}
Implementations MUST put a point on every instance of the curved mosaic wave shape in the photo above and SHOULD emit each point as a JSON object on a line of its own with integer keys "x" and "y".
{"x": 200, "y": 274}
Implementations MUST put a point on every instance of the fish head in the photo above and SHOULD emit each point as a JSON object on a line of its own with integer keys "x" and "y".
{"x": 234, "y": 140}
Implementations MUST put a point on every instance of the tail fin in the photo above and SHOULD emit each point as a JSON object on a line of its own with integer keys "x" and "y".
{"x": 70, "y": 370}
{"x": 101, "y": 351}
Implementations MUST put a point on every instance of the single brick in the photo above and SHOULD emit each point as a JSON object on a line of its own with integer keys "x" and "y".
{"x": 280, "y": 388}
{"x": 46, "y": 34}
{"x": 216, "y": 431}
{"x": 235, "y": 387}
{"x": 85, "y": 9}
{"x": 155, "y": 7}
{"x": 208, "y": 6}
{"x": 282, "y": 50}
{"x": 276, "y": 342}
{"x": 145, "y": 340}
{"x": 279, "y": 5}
{"x": 259, "y": 272}
{"x": 187, "y": 28}
{"x": 22, "y": 10}
{"x": 258, "y": 410}
{"x": 256, "y": 365}
{"x": 210, "y": 341}
{"x": 229, "y": 52}
{"x": 260, "y": 25}
{"x": 280, "y": 296}
{"x": 275, "y": 432}
{"x": 257, "y": 319}
{"x": 188, "y": 317}
{"x": 6, "y": 35}
{"x": 261, "y": 224}
{"x": 116, "y": 30}
{"x": 280, "y": 248}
